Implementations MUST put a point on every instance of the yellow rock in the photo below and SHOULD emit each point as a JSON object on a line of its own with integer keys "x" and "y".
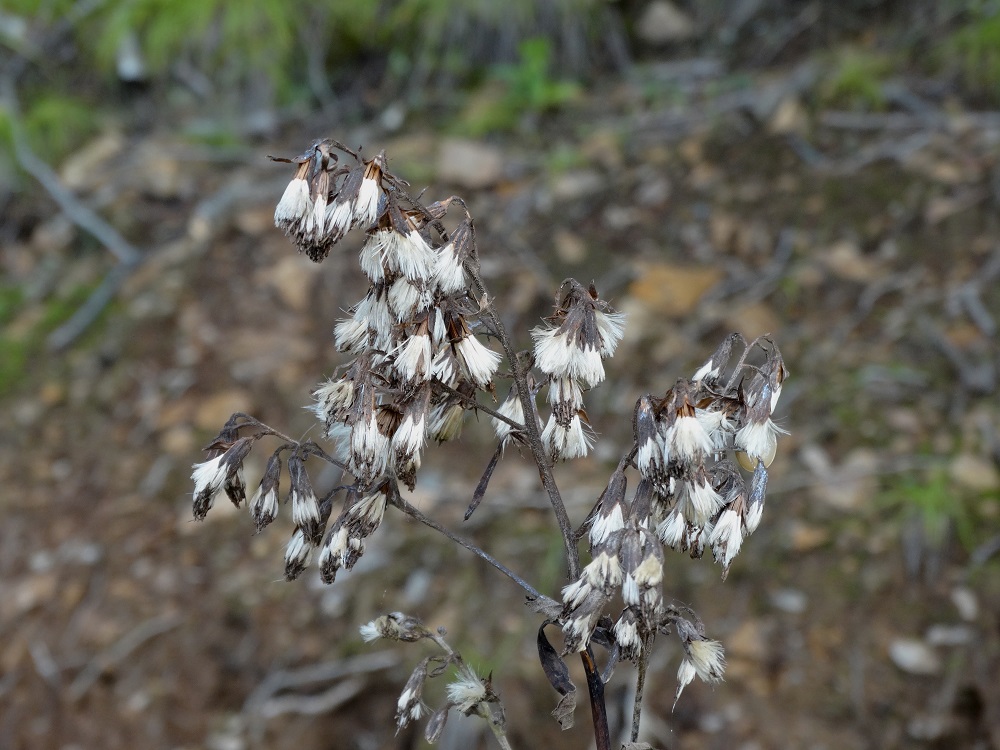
{"x": 673, "y": 291}
{"x": 213, "y": 412}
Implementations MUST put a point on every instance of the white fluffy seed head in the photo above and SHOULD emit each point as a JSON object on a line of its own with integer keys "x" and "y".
{"x": 413, "y": 359}
{"x": 671, "y": 529}
{"x": 727, "y": 537}
{"x": 606, "y": 524}
{"x": 209, "y": 475}
{"x": 688, "y": 441}
{"x": 294, "y": 205}
{"x": 366, "y": 207}
{"x": 466, "y": 692}
{"x": 512, "y": 409}
{"x": 339, "y": 217}
{"x": 700, "y": 501}
{"x": 610, "y": 328}
{"x": 566, "y": 443}
{"x": 708, "y": 659}
{"x": 409, "y": 437}
{"x": 758, "y": 440}
{"x": 479, "y": 362}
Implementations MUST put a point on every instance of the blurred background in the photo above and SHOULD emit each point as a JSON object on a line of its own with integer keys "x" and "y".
{"x": 823, "y": 171}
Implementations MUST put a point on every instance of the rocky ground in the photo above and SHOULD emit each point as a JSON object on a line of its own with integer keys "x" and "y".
{"x": 863, "y": 613}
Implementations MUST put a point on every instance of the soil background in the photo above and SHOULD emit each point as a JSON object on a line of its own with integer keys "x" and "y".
{"x": 704, "y": 189}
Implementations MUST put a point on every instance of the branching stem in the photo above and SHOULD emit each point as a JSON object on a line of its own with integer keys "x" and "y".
{"x": 640, "y": 684}
{"x": 396, "y": 499}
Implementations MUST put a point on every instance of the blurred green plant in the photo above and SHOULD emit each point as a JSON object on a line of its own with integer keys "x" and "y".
{"x": 527, "y": 88}
{"x": 933, "y": 505}
{"x": 975, "y": 46}
{"x": 53, "y": 125}
{"x": 19, "y": 344}
{"x": 855, "y": 80}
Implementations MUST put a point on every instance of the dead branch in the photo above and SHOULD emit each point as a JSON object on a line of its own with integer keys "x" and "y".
{"x": 129, "y": 258}
{"x": 119, "y": 651}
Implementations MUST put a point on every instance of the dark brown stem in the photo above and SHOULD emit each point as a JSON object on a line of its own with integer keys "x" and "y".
{"x": 595, "y": 685}
{"x": 598, "y": 709}
{"x": 640, "y": 684}
{"x": 532, "y": 434}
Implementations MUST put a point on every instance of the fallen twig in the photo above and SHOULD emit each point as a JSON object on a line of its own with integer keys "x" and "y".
{"x": 129, "y": 258}
{"x": 119, "y": 651}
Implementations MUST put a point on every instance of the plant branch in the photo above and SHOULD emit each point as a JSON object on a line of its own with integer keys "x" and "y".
{"x": 531, "y": 431}
{"x": 396, "y": 499}
{"x": 471, "y": 401}
{"x": 598, "y": 709}
{"x": 640, "y": 684}
{"x": 595, "y": 686}
{"x": 75, "y": 210}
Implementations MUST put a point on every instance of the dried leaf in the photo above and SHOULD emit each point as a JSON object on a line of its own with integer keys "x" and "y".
{"x": 480, "y": 493}
{"x": 435, "y": 725}
{"x": 563, "y": 712}
{"x": 558, "y": 673}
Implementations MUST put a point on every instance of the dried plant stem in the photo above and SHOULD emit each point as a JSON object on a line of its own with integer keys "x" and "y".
{"x": 496, "y": 727}
{"x": 397, "y": 500}
{"x": 595, "y": 686}
{"x": 599, "y": 711}
{"x": 534, "y": 437}
{"x": 496, "y": 722}
{"x": 640, "y": 684}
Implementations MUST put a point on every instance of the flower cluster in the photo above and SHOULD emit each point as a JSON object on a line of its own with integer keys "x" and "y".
{"x": 468, "y": 693}
{"x": 690, "y": 495}
{"x": 584, "y": 331}
{"x": 412, "y": 335}
{"x": 417, "y": 360}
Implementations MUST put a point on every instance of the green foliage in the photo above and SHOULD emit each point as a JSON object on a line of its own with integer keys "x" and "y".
{"x": 53, "y": 125}
{"x": 254, "y": 36}
{"x": 20, "y": 346}
{"x": 933, "y": 502}
{"x": 527, "y": 88}
{"x": 976, "y": 48}
{"x": 855, "y": 80}
{"x": 56, "y": 123}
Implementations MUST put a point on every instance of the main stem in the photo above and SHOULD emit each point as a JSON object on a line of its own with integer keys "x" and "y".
{"x": 595, "y": 685}
{"x": 534, "y": 437}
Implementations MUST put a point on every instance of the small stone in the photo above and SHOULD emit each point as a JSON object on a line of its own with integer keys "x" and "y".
{"x": 853, "y": 483}
{"x": 748, "y": 641}
{"x": 928, "y": 727}
{"x": 753, "y": 320}
{"x": 53, "y": 235}
{"x": 469, "y": 164}
{"x": 845, "y": 261}
{"x": 662, "y": 22}
{"x": 792, "y": 601}
{"x": 805, "y": 537}
{"x": 949, "y": 635}
{"x": 290, "y": 278}
{"x": 160, "y": 174}
{"x": 788, "y": 117}
{"x": 570, "y": 247}
{"x": 85, "y": 169}
{"x": 576, "y": 184}
{"x": 974, "y": 472}
{"x": 180, "y": 441}
{"x": 966, "y": 602}
{"x": 216, "y": 409}
{"x": 914, "y": 656}
{"x": 672, "y": 291}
